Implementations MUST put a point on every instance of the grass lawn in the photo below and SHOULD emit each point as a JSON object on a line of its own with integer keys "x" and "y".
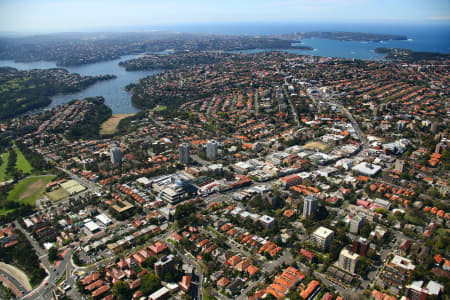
{"x": 4, "y": 211}
{"x": 30, "y": 189}
{"x": 57, "y": 195}
{"x": 3, "y": 165}
{"x": 22, "y": 163}
{"x": 160, "y": 108}
{"x": 110, "y": 125}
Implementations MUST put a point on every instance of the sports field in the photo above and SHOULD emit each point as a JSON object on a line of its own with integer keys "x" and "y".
{"x": 58, "y": 194}
{"x": 315, "y": 145}
{"x": 30, "y": 189}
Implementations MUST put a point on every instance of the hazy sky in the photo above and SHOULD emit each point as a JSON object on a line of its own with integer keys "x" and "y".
{"x": 66, "y": 15}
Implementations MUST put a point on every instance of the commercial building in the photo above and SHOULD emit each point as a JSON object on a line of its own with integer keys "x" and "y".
{"x": 321, "y": 237}
{"x": 115, "y": 154}
{"x": 183, "y": 151}
{"x": 309, "y": 205}
{"x": 348, "y": 260}
{"x": 367, "y": 169}
{"x": 211, "y": 150}
{"x": 103, "y": 219}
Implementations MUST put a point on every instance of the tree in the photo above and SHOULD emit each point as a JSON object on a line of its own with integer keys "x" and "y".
{"x": 52, "y": 254}
{"x": 121, "y": 291}
{"x": 149, "y": 262}
{"x": 150, "y": 283}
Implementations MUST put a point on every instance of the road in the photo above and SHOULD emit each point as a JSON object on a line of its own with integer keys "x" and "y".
{"x": 18, "y": 289}
{"x": 292, "y": 106}
{"x": 189, "y": 260}
{"x": 197, "y": 159}
{"x": 43, "y": 291}
{"x": 269, "y": 267}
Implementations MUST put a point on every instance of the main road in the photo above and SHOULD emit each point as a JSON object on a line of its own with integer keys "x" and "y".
{"x": 44, "y": 290}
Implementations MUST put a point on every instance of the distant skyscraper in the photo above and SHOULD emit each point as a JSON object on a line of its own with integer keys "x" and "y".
{"x": 115, "y": 154}
{"x": 211, "y": 150}
{"x": 309, "y": 205}
{"x": 183, "y": 150}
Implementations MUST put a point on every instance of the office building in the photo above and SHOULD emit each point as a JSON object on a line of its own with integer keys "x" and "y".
{"x": 348, "y": 260}
{"x": 183, "y": 150}
{"x": 321, "y": 237}
{"x": 309, "y": 205}
{"x": 211, "y": 150}
{"x": 115, "y": 154}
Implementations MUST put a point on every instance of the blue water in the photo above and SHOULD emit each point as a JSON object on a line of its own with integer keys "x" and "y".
{"x": 116, "y": 97}
{"x": 422, "y": 37}
{"x": 426, "y": 37}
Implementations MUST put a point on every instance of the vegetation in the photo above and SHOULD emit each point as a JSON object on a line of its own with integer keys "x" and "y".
{"x": 344, "y": 36}
{"x": 52, "y": 254}
{"x": 121, "y": 291}
{"x": 3, "y": 164}
{"x": 150, "y": 284}
{"x": 408, "y": 55}
{"x": 185, "y": 215}
{"x": 23, "y": 256}
{"x": 90, "y": 127}
{"x": 37, "y": 162}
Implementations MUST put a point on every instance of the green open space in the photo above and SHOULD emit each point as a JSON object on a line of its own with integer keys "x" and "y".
{"x": 22, "y": 163}
{"x": 30, "y": 189}
{"x": 110, "y": 125}
{"x": 160, "y": 108}
{"x": 3, "y": 175}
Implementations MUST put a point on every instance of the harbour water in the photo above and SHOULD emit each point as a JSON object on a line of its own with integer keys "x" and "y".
{"x": 116, "y": 97}
{"x": 421, "y": 37}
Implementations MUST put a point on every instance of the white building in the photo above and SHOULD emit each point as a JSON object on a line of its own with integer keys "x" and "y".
{"x": 267, "y": 221}
{"x": 321, "y": 237}
{"x": 367, "y": 169}
{"x": 348, "y": 260}
{"x": 104, "y": 219}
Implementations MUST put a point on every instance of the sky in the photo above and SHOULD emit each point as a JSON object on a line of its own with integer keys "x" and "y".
{"x": 80, "y": 15}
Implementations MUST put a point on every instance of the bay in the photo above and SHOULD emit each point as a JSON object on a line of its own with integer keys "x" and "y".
{"x": 116, "y": 97}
